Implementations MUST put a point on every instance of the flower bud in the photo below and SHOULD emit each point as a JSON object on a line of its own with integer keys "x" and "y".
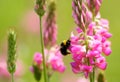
{"x": 40, "y": 7}
{"x": 37, "y": 72}
{"x": 101, "y": 78}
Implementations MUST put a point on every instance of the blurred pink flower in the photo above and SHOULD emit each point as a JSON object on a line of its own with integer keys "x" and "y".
{"x": 3, "y": 68}
{"x": 31, "y": 69}
{"x": 30, "y": 22}
{"x": 55, "y": 59}
{"x": 50, "y": 29}
{"x": 50, "y": 25}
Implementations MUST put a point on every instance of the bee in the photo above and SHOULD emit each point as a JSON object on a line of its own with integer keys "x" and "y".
{"x": 64, "y": 46}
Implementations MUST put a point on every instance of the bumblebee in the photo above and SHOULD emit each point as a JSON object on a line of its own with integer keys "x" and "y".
{"x": 64, "y": 46}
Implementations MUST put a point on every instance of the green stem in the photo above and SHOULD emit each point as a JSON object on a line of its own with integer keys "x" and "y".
{"x": 91, "y": 76}
{"x": 93, "y": 73}
{"x": 12, "y": 77}
{"x": 48, "y": 79}
{"x": 42, "y": 49}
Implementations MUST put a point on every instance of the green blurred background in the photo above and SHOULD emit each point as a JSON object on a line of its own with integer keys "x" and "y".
{"x": 12, "y": 12}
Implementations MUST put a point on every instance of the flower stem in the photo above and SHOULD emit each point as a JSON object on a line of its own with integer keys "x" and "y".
{"x": 12, "y": 77}
{"x": 93, "y": 73}
{"x": 91, "y": 76}
{"x": 42, "y": 49}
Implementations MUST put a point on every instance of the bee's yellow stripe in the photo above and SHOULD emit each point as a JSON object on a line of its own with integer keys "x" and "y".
{"x": 64, "y": 42}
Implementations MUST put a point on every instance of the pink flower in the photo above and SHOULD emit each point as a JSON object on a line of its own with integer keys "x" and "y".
{"x": 78, "y": 68}
{"x": 3, "y": 68}
{"x": 78, "y": 52}
{"x": 87, "y": 69}
{"x": 75, "y": 67}
{"x": 28, "y": 24}
{"x": 107, "y": 51}
{"x": 104, "y": 23}
{"x": 106, "y": 48}
{"x": 101, "y": 63}
{"x": 37, "y": 58}
{"x": 37, "y": 62}
{"x": 57, "y": 65}
{"x": 55, "y": 59}
{"x": 31, "y": 69}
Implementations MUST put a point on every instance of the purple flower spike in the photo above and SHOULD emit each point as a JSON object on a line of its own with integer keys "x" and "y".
{"x": 91, "y": 41}
{"x": 50, "y": 26}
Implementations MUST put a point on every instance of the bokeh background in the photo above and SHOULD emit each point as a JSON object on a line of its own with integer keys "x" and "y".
{"x": 19, "y": 14}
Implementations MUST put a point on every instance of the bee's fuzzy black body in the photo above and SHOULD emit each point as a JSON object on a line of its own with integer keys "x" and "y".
{"x": 64, "y": 46}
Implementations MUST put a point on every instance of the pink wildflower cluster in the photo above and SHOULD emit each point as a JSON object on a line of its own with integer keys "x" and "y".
{"x": 53, "y": 59}
{"x": 92, "y": 38}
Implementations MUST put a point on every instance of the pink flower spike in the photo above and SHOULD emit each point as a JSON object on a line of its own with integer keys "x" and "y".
{"x": 37, "y": 58}
{"x": 91, "y": 40}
